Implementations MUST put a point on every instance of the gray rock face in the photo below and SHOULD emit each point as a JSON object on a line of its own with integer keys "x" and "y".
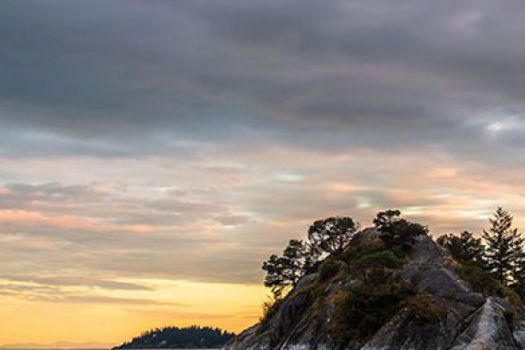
{"x": 488, "y": 329}
{"x": 469, "y": 322}
{"x": 519, "y": 335}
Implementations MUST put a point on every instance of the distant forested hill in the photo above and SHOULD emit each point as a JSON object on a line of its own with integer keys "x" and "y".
{"x": 185, "y": 338}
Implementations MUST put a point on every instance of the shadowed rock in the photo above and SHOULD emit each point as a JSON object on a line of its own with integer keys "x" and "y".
{"x": 466, "y": 320}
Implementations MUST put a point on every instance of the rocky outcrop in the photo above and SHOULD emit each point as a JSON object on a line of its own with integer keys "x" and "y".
{"x": 466, "y": 320}
{"x": 488, "y": 329}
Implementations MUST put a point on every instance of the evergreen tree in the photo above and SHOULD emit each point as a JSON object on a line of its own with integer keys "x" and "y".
{"x": 397, "y": 233}
{"x": 287, "y": 270}
{"x": 465, "y": 248}
{"x": 504, "y": 253}
{"x": 295, "y": 261}
{"x": 518, "y": 278}
{"x": 332, "y": 235}
{"x": 518, "y": 268}
{"x": 275, "y": 279}
{"x": 386, "y": 219}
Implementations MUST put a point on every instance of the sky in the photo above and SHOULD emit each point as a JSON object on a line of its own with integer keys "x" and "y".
{"x": 153, "y": 153}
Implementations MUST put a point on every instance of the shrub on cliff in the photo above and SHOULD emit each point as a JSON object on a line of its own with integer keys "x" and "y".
{"x": 424, "y": 308}
{"x": 372, "y": 306}
{"x": 480, "y": 280}
{"x": 382, "y": 259}
{"x": 270, "y": 308}
{"x": 329, "y": 269}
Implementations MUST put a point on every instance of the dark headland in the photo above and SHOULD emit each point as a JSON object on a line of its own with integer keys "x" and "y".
{"x": 193, "y": 337}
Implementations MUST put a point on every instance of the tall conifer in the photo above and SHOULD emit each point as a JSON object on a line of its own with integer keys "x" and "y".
{"x": 504, "y": 247}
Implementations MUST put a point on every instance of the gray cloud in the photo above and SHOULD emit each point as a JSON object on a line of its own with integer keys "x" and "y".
{"x": 140, "y": 79}
{"x": 76, "y": 281}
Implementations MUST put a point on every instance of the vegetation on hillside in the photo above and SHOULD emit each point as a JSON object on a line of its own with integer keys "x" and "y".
{"x": 193, "y": 337}
{"x": 492, "y": 264}
{"x": 376, "y": 263}
{"x": 329, "y": 239}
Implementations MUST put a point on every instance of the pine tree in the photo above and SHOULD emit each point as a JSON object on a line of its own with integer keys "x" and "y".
{"x": 332, "y": 235}
{"x": 397, "y": 233}
{"x": 518, "y": 269}
{"x": 275, "y": 279}
{"x": 286, "y": 270}
{"x": 465, "y": 248}
{"x": 297, "y": 261}
{"x": 504, "y": 247}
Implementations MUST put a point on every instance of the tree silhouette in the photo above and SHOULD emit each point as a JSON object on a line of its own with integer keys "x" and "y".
{"x": 504, "y": 253}
{"x": 275, "y": 278}
{"x": 300, "y": 257}
{"x": 386, "y": 219}
{"x": 397, "y": 233}
{"x": 332, "y": 235}
{"x": 285, "y": 271}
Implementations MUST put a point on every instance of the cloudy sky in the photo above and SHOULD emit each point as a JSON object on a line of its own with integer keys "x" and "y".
{"x": 153, "y": 153}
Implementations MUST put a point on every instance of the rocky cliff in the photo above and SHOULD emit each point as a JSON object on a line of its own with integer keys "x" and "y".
{"x": 372, "y": 299}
